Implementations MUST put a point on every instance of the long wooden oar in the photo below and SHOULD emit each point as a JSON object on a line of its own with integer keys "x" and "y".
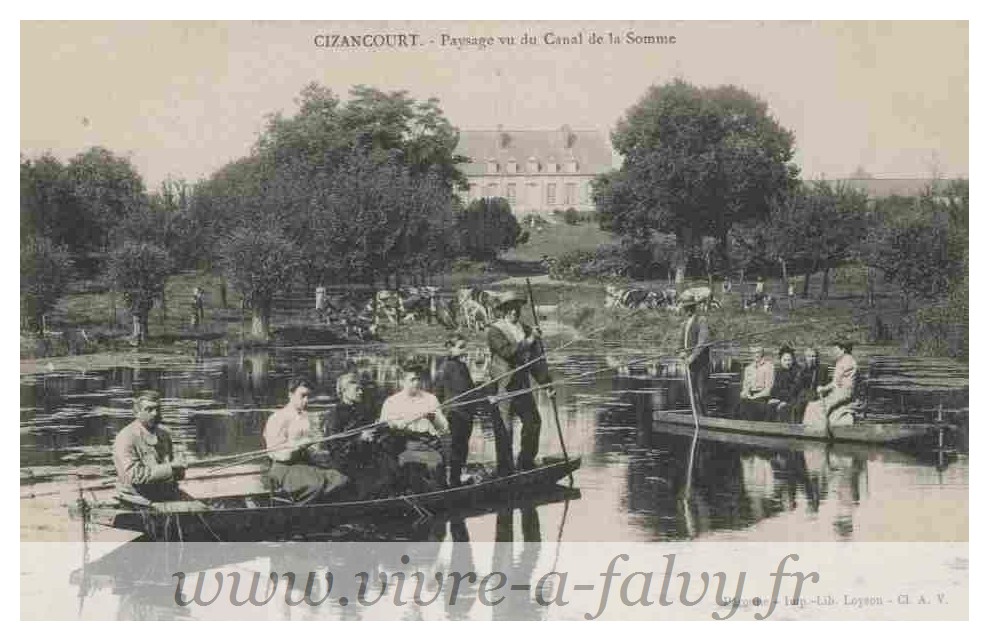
{"x": 552, "y": 398}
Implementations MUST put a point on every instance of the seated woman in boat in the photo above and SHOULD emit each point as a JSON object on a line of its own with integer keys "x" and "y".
{"x": 362, "y": 451}
{"x": 757, "y": 385}
{"x": 416, "y": 422}
{"x": 833, "y": 407}
{"x": 287, "y": 439}
{"x": 786, "y": 387}
{"x": 147, "y": 468}
{"x": 813, "y": 374}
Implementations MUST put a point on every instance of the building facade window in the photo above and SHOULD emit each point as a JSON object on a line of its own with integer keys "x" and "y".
{"x": 533, "y": 166}
{"x": 510, "y": 194}
{"x": 551, "y": 194}
{"x": 492, "y": 167}
{"x": 571, "y": 166}
{"x": 512, "y": 167}
{"x": 570, "y": 194}
{"x": 491, "y": 191}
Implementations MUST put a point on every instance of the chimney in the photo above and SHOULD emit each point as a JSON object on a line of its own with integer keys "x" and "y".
{"x": 568, "y": 136}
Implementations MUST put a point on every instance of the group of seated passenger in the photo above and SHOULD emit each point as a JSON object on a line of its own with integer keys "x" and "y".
{"x": 405, "y": 448}
{"x": 793, "y": 392}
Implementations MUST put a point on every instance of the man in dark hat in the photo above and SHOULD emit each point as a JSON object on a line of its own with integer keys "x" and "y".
{"x": 696, "y": 351}
{"x": 513, "y": 344}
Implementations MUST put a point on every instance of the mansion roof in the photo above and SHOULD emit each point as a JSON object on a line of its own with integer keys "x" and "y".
{"x": 589, "y": 148}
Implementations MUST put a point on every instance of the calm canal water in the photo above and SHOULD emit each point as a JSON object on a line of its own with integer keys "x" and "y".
{"x": 634, "y": 469}
{"x": 632, "y": 481}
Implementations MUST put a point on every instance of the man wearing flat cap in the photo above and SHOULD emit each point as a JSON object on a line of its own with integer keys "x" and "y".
{"x": 513, "y": 344}
{"x": 696, "y": 351}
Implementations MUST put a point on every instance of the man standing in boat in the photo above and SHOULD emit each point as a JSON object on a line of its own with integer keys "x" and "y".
{"x": 512, "y": 345}
{"x": 147, "y": 468}
{"x": 696, "y": 352}
{"x": 286, "y": 437}
{"x": 454, "y": 381}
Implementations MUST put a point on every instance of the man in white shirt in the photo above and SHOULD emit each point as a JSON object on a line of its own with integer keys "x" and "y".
{"x": 287, "y": 438}
{"x": 414, "y": 415}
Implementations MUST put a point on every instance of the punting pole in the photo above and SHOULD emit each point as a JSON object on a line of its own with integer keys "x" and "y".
{"x": 697, "y": 426}
{"x": 552, "y": 398}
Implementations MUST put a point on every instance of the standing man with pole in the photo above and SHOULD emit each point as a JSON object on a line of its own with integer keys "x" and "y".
{"x": 511, "y": 343}
{"x": 696, "y": 353}
{"x": 542, "y": 364}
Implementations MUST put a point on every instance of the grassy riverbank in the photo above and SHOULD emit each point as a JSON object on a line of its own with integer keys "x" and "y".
{"x": 92, "y": 327}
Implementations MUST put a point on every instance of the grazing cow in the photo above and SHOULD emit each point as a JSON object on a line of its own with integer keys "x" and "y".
{"x": 386, "y": 308}
{"x": 634, "y": 298}
{"x": 419, "y": 303}
{"x": 473, "y": 314}
{"x": 703, "y": 295}
{"x": 476, "y": 306}
{"x": 766, "y": 302}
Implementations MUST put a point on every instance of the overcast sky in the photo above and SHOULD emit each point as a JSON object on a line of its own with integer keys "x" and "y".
{"x": 182, "y": 99}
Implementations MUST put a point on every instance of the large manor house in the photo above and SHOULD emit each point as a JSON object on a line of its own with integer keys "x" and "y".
{"x": 542, "y": 171}
{"x": 536, "y": 171}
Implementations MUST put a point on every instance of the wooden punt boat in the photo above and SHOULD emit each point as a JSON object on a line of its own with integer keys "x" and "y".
{"x": 262, "y": 516}
{"x": 888, "y": 434}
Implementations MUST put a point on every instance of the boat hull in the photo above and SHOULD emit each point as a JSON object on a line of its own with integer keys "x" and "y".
{"x": 875, "y": 433}
{"x": 262, "y": 517}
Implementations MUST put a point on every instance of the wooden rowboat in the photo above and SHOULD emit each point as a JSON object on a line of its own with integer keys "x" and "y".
{"x": 890, "y": 434}
{"x": 262, "y": 516}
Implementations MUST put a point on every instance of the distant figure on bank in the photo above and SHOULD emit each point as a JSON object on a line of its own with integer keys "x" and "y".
{"x": 726, "y": 285}
{"x": 320, "y": 301}
{"x": 147, "y": 468}
{"x": 696, "y": 351}
{"x": 455, "y": 382}
{"x": 834, "y": 406}
{"x": 287, "y": 438}
{"x": 416, "y": 422}
{"x": 513, "y": 345}
{"x": 760, "y": 287}
{"x": 198, "y": 313}
{"x": 757, "y": 386}
{"x": 786, "y": 388}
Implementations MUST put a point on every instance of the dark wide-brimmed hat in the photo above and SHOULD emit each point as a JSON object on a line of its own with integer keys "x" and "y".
{"x": 511, "y": 298}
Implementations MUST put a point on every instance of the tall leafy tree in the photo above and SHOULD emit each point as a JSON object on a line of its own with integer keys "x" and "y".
{"x": 45, "y": 272}
{"x": 259, "y": 261}
{"x": 139, "y": 270}
{"x": 106, "y": 190}
{"x": 696, "y": 161}
{"x": 487, "y": 227}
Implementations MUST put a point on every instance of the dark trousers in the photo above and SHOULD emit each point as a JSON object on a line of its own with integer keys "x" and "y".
{"x": 698, "y": 372}
{"x": 523, "y": 406}
{"x": 461, "y": 426}
{"x": 305, "y": 483}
